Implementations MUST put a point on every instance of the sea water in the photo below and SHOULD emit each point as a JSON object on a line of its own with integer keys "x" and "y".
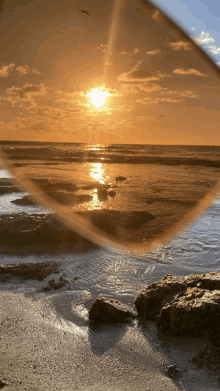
{"x": 99, "y": 271}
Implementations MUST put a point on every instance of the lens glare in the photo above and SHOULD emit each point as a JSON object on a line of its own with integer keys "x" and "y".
{"x": 110, "y": 116}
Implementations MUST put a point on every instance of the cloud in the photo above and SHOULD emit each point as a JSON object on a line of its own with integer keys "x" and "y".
{"x": 205, "y": 39}
{"x": 189, "y": 94}
{"x": 181, "y": 45}
{"x": 150, "y": 100}
{"x": 27, "y": 89}
{"x": 195, "y": 72}
{"x": 104, "y": 48}
{"x": 25, "y": 93}
{"x": 128, "y": 88}
{"x": 136, "y": 50}
{"x": 35, "y": 70}
{"x": 6, "y": 69}
{"x": 184, "y": 93}
{"x": 23, "y": 70}
{"x": 214, "y": 49}
{"x": 153, "y": 52}
{"x": 140, "y": 76}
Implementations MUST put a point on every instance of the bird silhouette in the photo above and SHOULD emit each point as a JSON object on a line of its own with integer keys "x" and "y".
{"x": 84, "y": 12}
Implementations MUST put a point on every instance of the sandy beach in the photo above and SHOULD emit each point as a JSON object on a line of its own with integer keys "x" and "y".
{"x": 41, "y": 350}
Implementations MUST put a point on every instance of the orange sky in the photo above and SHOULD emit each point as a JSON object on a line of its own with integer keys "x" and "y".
{"x": 161, "y": 90}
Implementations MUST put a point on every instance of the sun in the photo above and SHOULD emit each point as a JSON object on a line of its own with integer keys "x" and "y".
{"x": 97, "y": 96}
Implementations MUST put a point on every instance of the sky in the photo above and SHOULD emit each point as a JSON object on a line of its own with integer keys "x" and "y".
{"x": 201, "y": 17}
{"x": 122, "y": 74}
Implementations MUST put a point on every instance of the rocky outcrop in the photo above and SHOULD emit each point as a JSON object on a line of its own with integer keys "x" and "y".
{"x": 116, "y": 222}
{"x": 52, "y": 284}
{"x": 112, "y": 193}
{"x": 21, "y": 230}
{"x": 105, "y": 310}
{"x": 6, "y": 187}
{"x": 120, "y": 178}
{"x": 102, "y": 194}
{"x": 29, "y": 270}
{"x": 24, "y": 201}
{"x": 183, "y": 305}
{"x": 208, "y": 358}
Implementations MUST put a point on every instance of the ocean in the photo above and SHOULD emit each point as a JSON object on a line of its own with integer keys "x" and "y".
{"x": 130, "y": 181}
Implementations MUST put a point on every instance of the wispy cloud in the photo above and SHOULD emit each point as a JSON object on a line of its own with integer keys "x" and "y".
{"x": 17, "y": 95}
{"x": 184, "y": 93}
{"x": 135, "y": 51}
{"x": 181, "y": 45}
{"x": 140, "y": 76}
{"x": 206, "y": 40}
{"x": 194, "y": 72}
{"x": 23, "y": 70}
{"x": 153, "y": 52}
{"x": 149, "y": 100}
{"x": 6, "y": 70}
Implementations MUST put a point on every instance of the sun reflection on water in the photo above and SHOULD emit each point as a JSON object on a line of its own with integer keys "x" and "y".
{"x": 95, "y": 203}
{"x": 97, "y": 172}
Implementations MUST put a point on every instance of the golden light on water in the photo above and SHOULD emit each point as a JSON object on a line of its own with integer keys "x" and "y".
{"x": 97, "y": 172}
{"x": 97, "y": 96}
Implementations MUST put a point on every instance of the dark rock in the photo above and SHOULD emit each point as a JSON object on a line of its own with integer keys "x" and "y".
{"x": 7, "y": 190}
{"x": 120, "y": 178}
{"x": 47, "y": 185}
{"x": 102, "y": 194}
{"x": 22, "y": 230}
{"x": 29, "y": 270}
{"x": 3, "y": 383}
{"x": 183, "y": 305}
{"x": 24, "y": 201}
{"x": 208, "y": 358}
{"x": 137, "y": 219}
{"x": 52, "y": 284}
{"x": 116, "y": 223}
{"x": 170, "y": 370}
{"x": 112, "y": 193}
{"x": 7, "y": 187}
{"x": 69, "y": 198}
{"x": 105, "y": 310}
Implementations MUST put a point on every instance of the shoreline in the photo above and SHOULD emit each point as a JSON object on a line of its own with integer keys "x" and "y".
{"x": 42, "y": 351}
{"x": 43, "y": 347}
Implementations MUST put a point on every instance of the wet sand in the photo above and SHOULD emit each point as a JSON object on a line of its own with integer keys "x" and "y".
{"x": 42, "y": 350}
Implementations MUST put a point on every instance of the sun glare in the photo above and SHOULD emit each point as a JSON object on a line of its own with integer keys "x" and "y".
{"x": 97, "y": 96}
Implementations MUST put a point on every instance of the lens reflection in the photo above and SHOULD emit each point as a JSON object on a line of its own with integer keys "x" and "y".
{"x": 110, "y": 116}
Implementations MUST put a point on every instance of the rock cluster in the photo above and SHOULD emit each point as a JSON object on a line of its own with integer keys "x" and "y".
{"x": 7, "y": 187}
{"x": 52, "y": 284}
{"x": 208, "y": 358}
{"x": 183, "y": 305}
{"x": 106, "y": 310}
{"x": 170, "y": 370}
{"x": 29, "y": 270}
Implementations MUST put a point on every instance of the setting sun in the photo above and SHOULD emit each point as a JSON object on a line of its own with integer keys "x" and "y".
{"x": 97, "y": 96}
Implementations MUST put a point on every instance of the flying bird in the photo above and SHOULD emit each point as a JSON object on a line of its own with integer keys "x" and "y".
{"x": 84, "y": 12}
